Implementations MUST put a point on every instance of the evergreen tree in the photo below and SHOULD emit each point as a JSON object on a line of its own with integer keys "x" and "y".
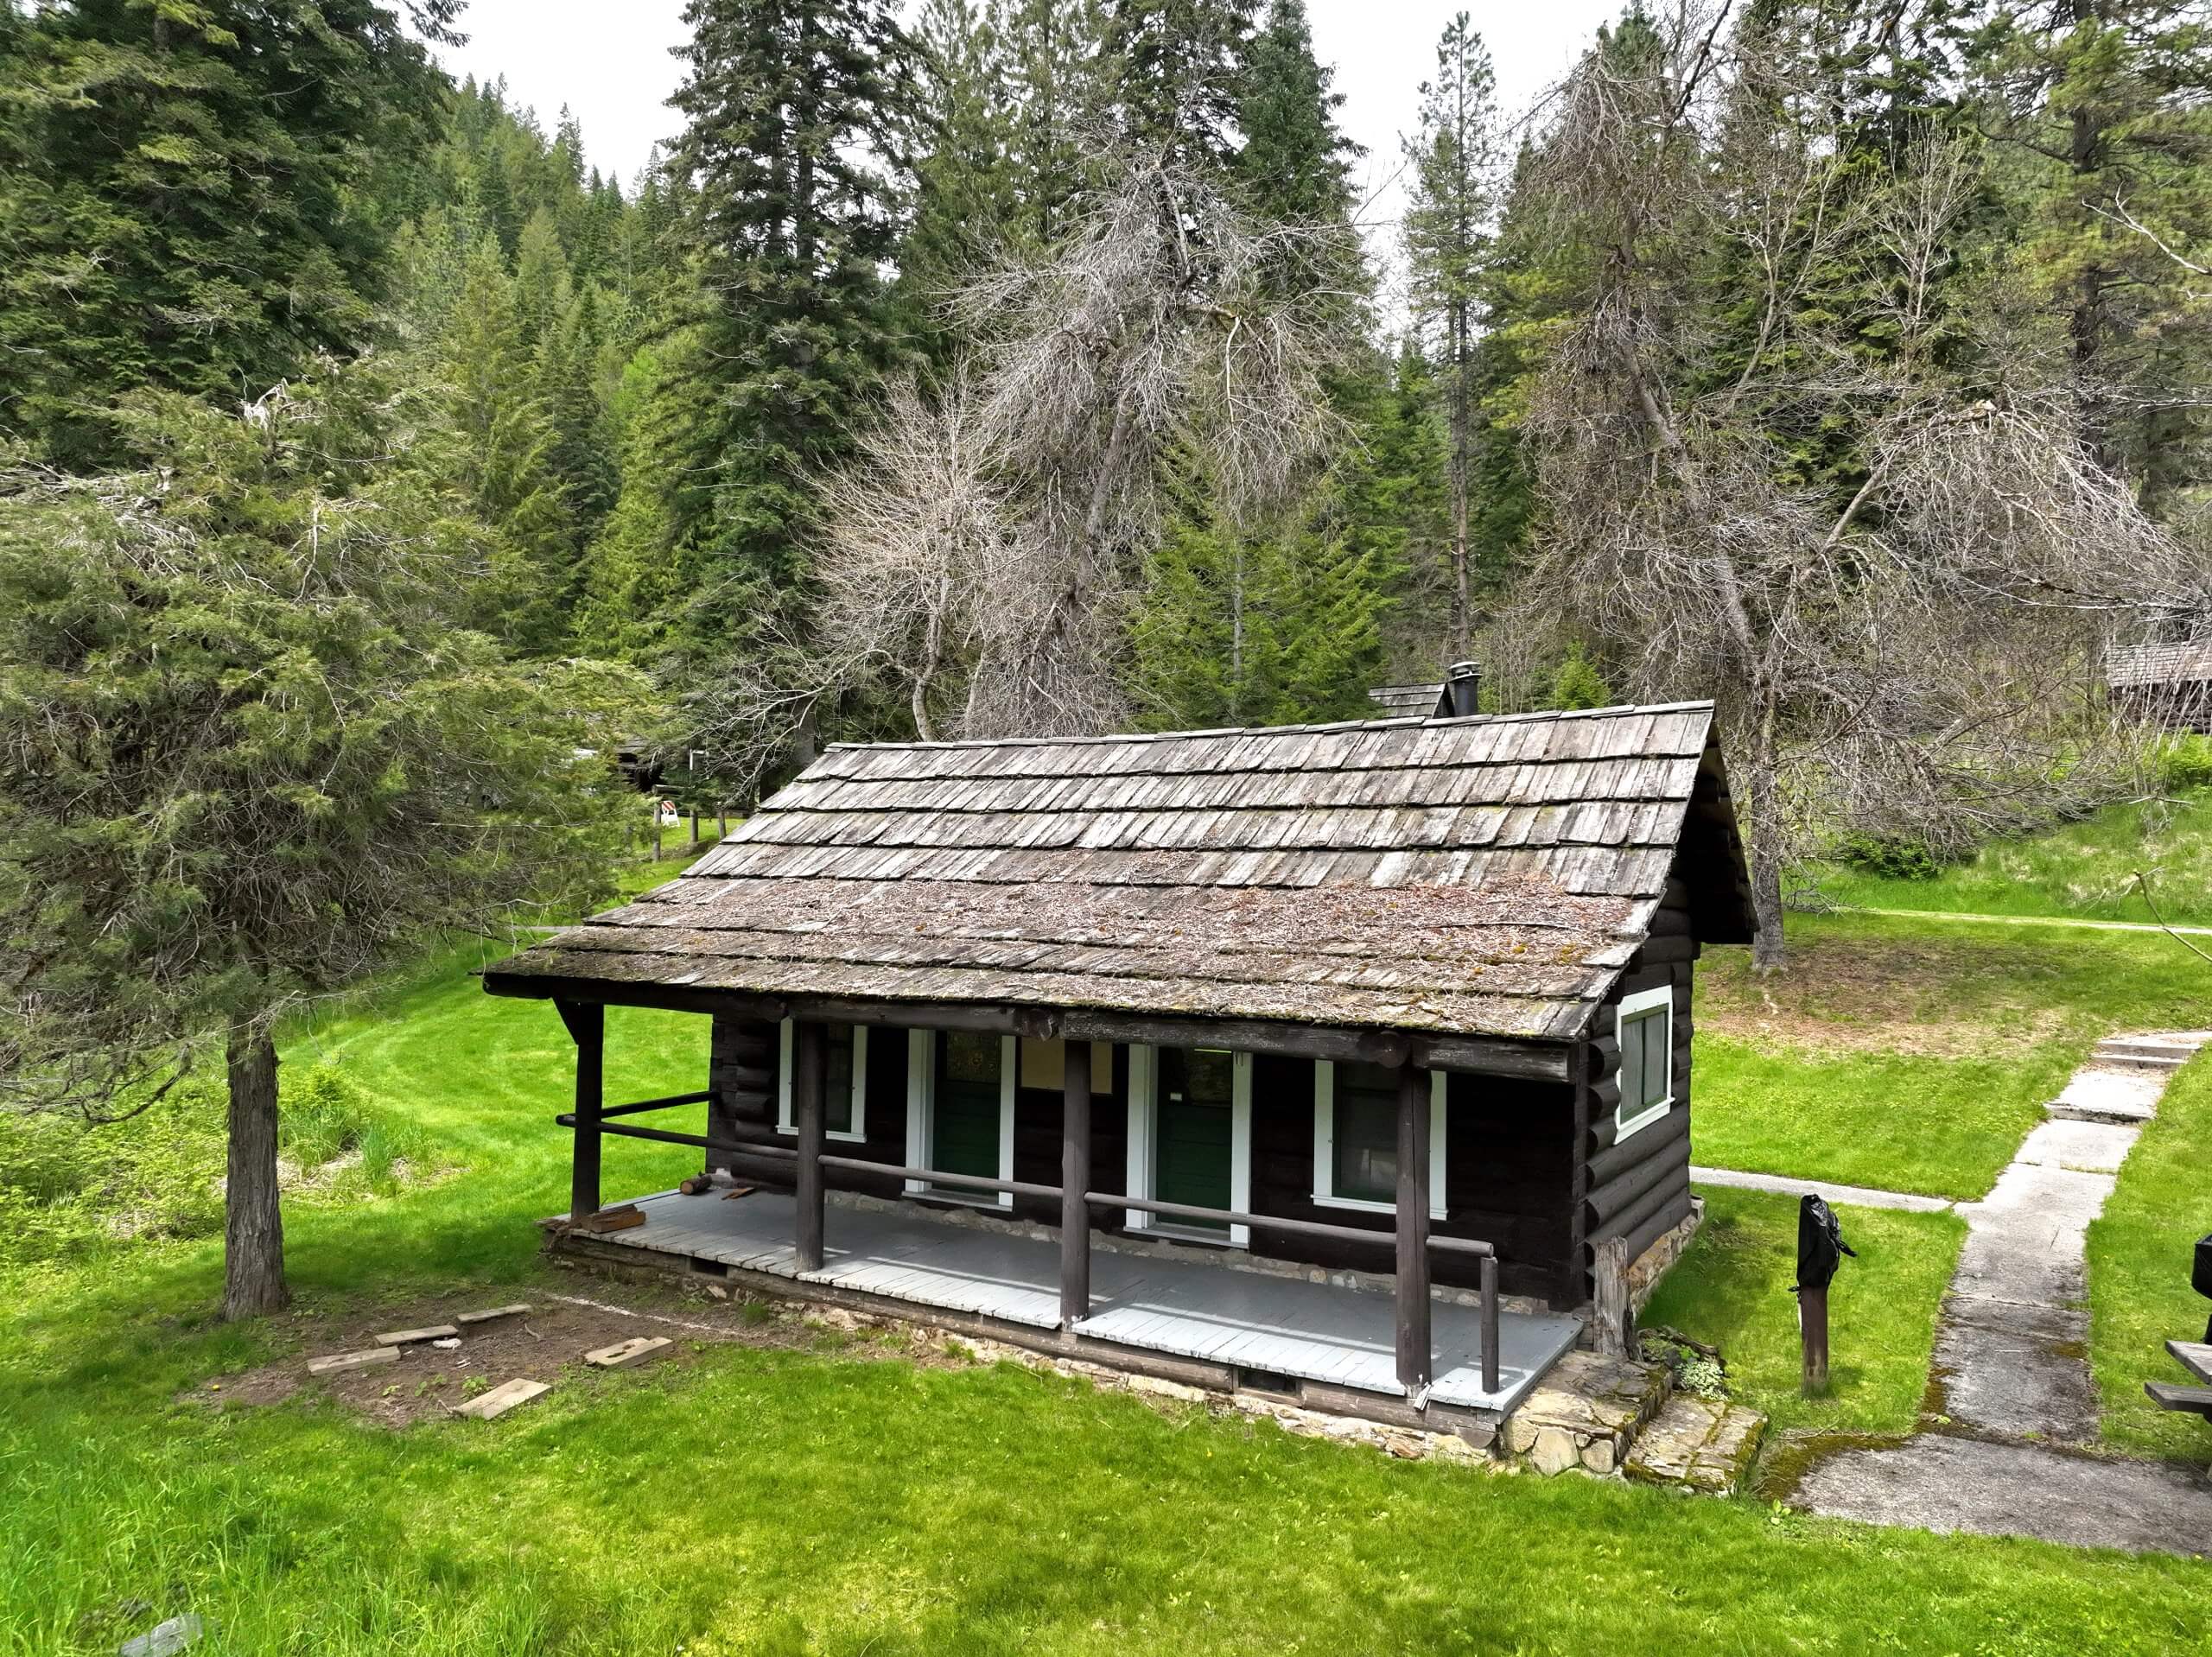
{"x": 966, "y": 204}
{"x": 1447, "y": 240}
{"x": 501, "y": 444}
{"x": 2102, "y": 105}
{"x": 183, "y": 191}
{"x": 1061, "y": 81}
{"x": 253, "y": 759}
{"x": 1176, "y": 76}
{"x": 789, "y": 223}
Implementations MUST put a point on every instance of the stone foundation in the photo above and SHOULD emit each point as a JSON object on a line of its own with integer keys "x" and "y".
{"x": 1586, "y": 1412}
{"x": 1654, "y": 1263}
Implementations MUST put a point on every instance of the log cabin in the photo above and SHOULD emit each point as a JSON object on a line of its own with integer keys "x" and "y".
{"x": 1324, "y": 1059}
{"x": 2166, "y": 685}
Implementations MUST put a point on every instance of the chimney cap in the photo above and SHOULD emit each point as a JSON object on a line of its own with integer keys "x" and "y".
{"x": 1463, "y": 670}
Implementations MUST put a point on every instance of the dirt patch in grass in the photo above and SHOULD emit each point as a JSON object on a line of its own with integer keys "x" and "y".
{"x": 1934, "y": 999}
{"x": 427, "y": 1381}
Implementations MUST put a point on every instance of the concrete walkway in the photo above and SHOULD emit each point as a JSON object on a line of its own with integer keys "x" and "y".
{"x": 1862, "y": 1196}
{"x": 2010, "y": 1351}
{"x": 2027, "y": 920}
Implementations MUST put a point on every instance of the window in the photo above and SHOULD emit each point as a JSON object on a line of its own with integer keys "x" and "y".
{"x": 1355, "y": 1137}
{"x": 844, "y": 1089}
{"x": 1647, "y": 1076}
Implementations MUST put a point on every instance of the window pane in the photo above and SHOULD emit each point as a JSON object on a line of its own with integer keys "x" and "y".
{"x": 1366, "y": 1134}
{"x": 1631, "y": 1076}
{"x": 1646, "y": 1063}
{"x": 838, "y": 1091}
{"x": 1658, "y": 1062}
{"x": 968, "y": 1056}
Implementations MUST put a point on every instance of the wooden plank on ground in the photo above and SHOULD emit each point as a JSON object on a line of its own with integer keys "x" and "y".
{"x": 338, "y": 1362}
{"x": 487, "y": 1406}
{"x": 2195, "y": 1356}
{"x": 408, "y": 1337}
{"x": 623, "y": 1353}
{"x": 490, "y": 1312}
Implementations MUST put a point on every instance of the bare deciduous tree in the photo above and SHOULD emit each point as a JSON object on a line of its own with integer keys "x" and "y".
{"x": 1915, "y": 651}
{"x": 984, "y": 551}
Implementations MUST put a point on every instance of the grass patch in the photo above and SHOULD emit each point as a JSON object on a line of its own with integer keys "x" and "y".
{"x": 2084, "y": 870}
{"x": 774, "y": 1501}
{"x": 2140, "y": 1250}
{"x": 1898, "y": 1121}
{"x": 1898, "y": 984}
{"x": 1732, "y": 1289}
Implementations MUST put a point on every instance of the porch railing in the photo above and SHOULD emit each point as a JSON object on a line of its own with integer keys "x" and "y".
{"x": 1414, "y": 1350}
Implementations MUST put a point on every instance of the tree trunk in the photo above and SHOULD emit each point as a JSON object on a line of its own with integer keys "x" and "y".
{"x": 1765, "y": 800}
{"x": 253, "y": 1221}
{"x": 1236, "y": 630}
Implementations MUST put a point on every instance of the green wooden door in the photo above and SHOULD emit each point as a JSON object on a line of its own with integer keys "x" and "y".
{"x": 965, "y": 1137}
{"x": 1191, "y": 1132}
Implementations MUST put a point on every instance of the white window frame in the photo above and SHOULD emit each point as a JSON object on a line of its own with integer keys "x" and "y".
{"x": 1643, "y": 1001}
{"x": 787, "y": 1122}
{"x": 1142, "y": 1165}
{"x": 1325, "y": 1146}
{"x": 921, "y": 1119}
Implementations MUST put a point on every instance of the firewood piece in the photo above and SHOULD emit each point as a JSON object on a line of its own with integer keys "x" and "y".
{"x": 696, "y": 1184}
{"x": 736, "y": 1191}
{"x": 338, "y": 1362}
{"x": 408, "y": 1337}
{"x": 487, "y": 1406}
{"x": 620, "y": 1219}
{"x": 623, "y": 1353}
{"x": 489, "y": 1313}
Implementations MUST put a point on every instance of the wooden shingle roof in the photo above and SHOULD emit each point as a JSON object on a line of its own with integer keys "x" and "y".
{"x": 2147, "y": 666}
{"x": 1420, "y": 700}
{"x": 1486, "y": 877}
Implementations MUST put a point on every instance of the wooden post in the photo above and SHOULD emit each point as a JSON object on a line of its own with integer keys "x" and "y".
{"x": 1414, "y": 1354}
{"x": 721, "y": 819}
{"x": 1075, "y": 1180}
{"x": 695, "y": 827}
{"x": 587, "y": 1024}
{"x": 1609, "y": 1298}
{"x": 809, "y": 1042}
{"x": 656, "y": 831}
{"x": 1812, "y": 1332}
{"x": 1489, "y": 1323}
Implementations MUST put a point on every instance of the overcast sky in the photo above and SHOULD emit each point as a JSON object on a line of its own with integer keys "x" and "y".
{"x": 608, "y": 62}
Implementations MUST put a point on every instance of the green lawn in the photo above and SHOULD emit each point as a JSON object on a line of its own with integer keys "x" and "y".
{"x": 1899, "y": 1121}
{"x": 1732, "y": 1289}
{"x": 2085, "y": 869}
{"x": 2140, "y": 1255}
{"x": 831, "y": 1500}
{"x": 1910, "y": 1058}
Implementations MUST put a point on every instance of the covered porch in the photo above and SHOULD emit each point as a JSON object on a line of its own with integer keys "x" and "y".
{"x": 1278, "y": 1333}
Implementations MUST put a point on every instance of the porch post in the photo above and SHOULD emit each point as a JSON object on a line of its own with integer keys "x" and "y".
{"x": 809, "y": 1041}
{"x": 1414, "y": 1360}
{"x": 586, "y": 1023}
{"x": 1075, "y": 1180}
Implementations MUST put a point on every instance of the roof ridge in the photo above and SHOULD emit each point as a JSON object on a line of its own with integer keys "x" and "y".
{"x": 1622, "y": 710}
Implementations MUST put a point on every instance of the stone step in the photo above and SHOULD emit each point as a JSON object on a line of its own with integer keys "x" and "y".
{"x": 2109, "y": 1094}
{"x": 2159, "y": 1052}
{"x": 1704, "y": 1443}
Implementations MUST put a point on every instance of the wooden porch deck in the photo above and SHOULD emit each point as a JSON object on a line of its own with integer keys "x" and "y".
{"x": 1188, "y": 1308}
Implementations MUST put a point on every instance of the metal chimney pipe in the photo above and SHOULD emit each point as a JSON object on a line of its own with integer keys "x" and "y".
{"x": 1463, "y": 683}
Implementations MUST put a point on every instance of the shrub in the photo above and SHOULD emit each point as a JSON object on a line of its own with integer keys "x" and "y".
{"x": 1897, "y": 857}
{"x": 1577, "y": 683}
{"x": 2183, "y": 764}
